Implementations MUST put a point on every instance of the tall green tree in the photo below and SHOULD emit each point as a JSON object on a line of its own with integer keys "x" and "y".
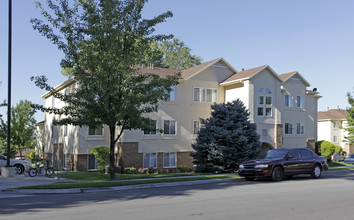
{"x": 23, "y": 127}
{"x": 176, "y": 55}
{"x": 225, "y": 139}
{"x": 350, "y": 120}
{"x": 102, "y": 41}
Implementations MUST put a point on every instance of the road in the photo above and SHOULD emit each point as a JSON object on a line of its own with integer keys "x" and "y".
{"x": 299, "y": 198}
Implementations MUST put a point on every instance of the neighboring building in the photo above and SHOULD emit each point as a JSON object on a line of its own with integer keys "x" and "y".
{"x": 284, "y": 111}
{"x": 330, "y": 128}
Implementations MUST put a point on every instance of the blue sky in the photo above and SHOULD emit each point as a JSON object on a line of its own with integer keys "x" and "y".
{"x": 314, "y": 37}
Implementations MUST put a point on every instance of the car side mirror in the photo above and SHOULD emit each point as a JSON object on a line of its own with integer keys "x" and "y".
{"x": 290, "y": 157}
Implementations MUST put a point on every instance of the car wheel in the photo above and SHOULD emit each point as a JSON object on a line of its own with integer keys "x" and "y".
{"x": 277, "y": 174}
{"x": 316, "y": 172}
{"x": 19, "y": 169}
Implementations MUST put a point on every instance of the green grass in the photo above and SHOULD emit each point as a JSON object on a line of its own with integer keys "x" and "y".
{"x": 109, "y": 183}
{"x": 338, "y": 164}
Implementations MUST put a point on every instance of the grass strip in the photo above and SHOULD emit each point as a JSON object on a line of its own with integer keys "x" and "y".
{"x": 338, "y": 164}
{"x": 340, "y": 168}
{"x": 110, "y": 183}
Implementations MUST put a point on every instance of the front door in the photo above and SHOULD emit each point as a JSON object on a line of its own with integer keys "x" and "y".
{"x": 58, "y": 150}
{"x": 292, "y": 163}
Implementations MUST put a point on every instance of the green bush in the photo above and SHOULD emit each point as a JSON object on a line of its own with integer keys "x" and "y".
{"x": 182, "y": 168}
{"x": 338, "y": 149}
{"x": 130, "y": 170}
{"x": 327, "y": 149}
{"x": 163, "y": 171}
{"x": 143, "y": 171}
{"x": 101, "y": 153}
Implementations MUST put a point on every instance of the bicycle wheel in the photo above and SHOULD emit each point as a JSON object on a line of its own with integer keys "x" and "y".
{"x": 49, "y": 172}
{"x": 32, "y": 172}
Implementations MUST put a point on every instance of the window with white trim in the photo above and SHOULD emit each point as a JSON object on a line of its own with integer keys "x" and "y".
{"x": 65, "y": 130}
{"x": 204, "y": 95}
{"x": 300, "y": 128}
{"x": 335, "y": 139}
{"x": 149, "y": 160}
{"x": 153, "y": 132}
{"x": 288, "y": 128}
{"x": 335, "y": 124}
{"x": 95, "y": 132}
{"x": 196, "y": 127}
{"x": 169, "y": 127}
{"x": 300, "y": 102}
{"x": 264, "y": 102}
{"x": 170, "y": 159}
{"x": 288, "y": 101}
{"x": 172, "y": 94}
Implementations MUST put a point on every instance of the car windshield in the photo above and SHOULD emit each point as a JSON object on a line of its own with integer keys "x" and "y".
{"x": 278, "y": 153}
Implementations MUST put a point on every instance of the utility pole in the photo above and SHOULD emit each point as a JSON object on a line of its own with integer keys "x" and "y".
{"x": 9, "y": 88}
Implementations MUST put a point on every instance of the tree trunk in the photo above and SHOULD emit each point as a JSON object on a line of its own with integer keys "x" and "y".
{"x": 111, "y": 152}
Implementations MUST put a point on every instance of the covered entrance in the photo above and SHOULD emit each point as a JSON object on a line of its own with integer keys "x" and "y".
{"x": 265, "y": 147}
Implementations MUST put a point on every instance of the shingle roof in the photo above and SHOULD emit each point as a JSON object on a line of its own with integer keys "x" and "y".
{"x": 244, "y": 74}
{"x": 333, "y": 114}
{"x": 286, "y": 76}
{"x": 162, "y": 72}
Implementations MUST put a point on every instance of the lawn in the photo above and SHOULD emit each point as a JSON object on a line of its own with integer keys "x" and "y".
{"x": 90, "y": 180}
{"x": 338, "y": 164}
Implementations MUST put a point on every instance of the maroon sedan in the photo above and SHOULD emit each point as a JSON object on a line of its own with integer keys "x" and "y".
{"x": 284, "y": 162}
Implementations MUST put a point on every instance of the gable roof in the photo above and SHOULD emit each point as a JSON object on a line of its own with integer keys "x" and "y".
{"x": 286, "y": 76}
{"x": 333, "y": 114}
{"x": 248, "y": 74}
{"x": 195, "y": 70}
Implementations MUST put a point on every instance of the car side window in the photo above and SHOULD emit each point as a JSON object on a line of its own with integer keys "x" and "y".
{"x": 306, "y": 154}
{"x": 295, "y": 154}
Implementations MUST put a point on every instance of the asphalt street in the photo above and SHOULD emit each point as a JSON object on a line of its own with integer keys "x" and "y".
{"x": 299, "y": 198}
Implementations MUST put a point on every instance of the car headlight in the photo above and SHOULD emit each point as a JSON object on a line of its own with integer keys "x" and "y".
{"x": 261, "y": 166}
{"x": 241, "y": 166}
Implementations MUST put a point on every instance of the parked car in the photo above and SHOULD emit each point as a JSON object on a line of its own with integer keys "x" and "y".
{"x": 284, "y": 162}
{"x": 349, "y": 159}
{"x": 337, "y": 157}
{"x": 20, "y": 165}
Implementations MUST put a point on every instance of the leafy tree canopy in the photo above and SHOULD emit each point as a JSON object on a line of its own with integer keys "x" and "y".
{"x": 350, "y": 120}
{"x": 103, "y": 40}
{"x": 226, "y": 139}
{"x": 23, "y": 126}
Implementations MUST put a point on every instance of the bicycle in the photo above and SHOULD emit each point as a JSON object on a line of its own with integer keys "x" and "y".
{"x": 40, "y": 170}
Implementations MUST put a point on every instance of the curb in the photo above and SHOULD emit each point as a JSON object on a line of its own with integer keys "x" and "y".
{"x": 115, "y": 188}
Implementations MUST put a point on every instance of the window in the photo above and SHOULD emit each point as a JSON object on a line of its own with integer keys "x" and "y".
{"x": 154, "y": 125}
{"x": 264, "y": 102}
{"x": 296, "y": 154}
{"x": 92, "y": 163}
{"x": 335, "y": 124}
{"x": 335, "y": 139}
{"x": 300, "y": 103}
{"x": 95, "y": 132}
{"x": 149, "y": 160}
{"x": 196, "y": 127}
{"x": 173, "y": 94}
{"x": 300, "y": 128}
{"x": 288, "y": 128}
{"x": 264, "y": 132}
{"x": 288, "y": 101}
{"x": 305, "y": 154}
{"x": 65, "y": 160}
{"x": 204, "y": 95}
{"x": 52, "y": 127}
{"x": 169, "y": 127}
{"x": 169, "y": 159}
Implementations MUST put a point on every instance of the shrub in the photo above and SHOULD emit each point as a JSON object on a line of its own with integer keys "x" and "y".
{"x": 143, "y": 171}
{"x": 101, "y": 153}
{"x": 338, "y": 149}
{"x": 327, "y": 149}
{"x": 130, "y": 170}
{"x": 182, "y": 168}
{"x": 151, "y": 170}
{"x": 163, "y": 171}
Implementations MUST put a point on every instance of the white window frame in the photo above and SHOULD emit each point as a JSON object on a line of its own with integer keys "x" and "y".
{"x": 335, "y": 124}
{"x": 264, "y": 109}
{"x": 152, "y": 133}
{"x": 288, "y": 100}
{"x": 195, "y": 132}
{"x": 291, "y": 128}
{"x": 335, "y": 139}
{"x": 205, "y": 95}
{"x": 172, "y": 159}
{"x": 95, "y": 135}
{"x": 152, "y": 160}
{"x": 301, "y": 126}
{"x": 173, "y": 94}
{"x": 169, "y": 128}
{"x": 300, "y": 101}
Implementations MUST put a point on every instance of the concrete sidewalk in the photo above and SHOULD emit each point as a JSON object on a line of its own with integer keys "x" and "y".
{"x": 22, "y": 180}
